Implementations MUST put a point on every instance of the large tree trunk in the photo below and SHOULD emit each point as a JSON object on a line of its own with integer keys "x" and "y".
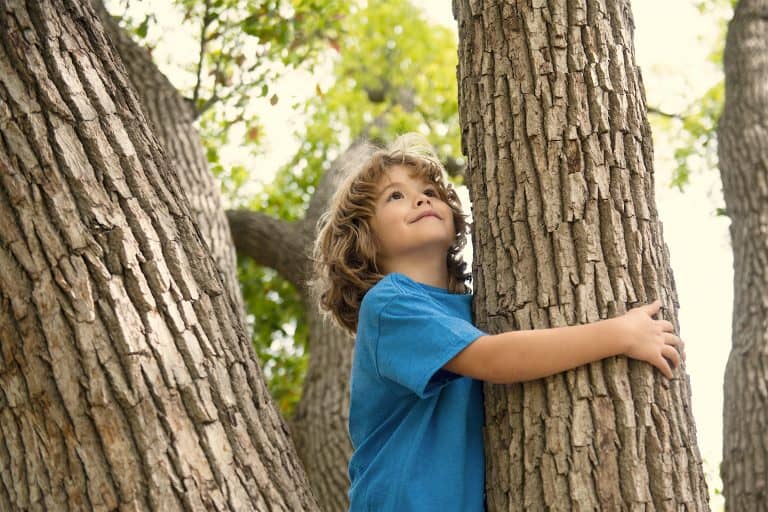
{"x": 560, "y": 173}
{"x": 319, "y": 427}
{"x": 173, "y": 119}
{"x": 126, "y": 376}
{"x": 743, "y": 154}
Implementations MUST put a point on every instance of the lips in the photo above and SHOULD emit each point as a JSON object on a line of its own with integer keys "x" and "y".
{"x": 428, "y": 213}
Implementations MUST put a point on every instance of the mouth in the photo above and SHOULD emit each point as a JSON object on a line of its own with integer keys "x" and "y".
{"x": 426, "y": 214}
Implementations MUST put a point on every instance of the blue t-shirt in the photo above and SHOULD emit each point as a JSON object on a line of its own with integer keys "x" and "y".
{"x": 416, "y": 428}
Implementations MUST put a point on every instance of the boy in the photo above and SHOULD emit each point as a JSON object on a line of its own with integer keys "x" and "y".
{"x": 389, "y": 270}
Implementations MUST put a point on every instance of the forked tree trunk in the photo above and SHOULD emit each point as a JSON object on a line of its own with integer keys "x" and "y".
{"x": 126, "y": 377}
{"x": 560, "y": 173}
{"x": 743, "y": 153}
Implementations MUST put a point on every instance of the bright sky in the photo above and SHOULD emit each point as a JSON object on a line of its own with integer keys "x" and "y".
{"x": 671, "y": 49}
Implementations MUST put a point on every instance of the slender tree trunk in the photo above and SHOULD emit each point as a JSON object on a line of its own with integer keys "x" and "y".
{"x": 743, "y": 154}
{"x": 319, "y": 424}
{"x": 560, "y": 173}
{"x": 126, "y": 376}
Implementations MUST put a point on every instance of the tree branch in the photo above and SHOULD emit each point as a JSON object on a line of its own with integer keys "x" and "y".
{"x": 203, "y": 28}
{"x": 271, "y": 242}
{"x": 654, "y": 110}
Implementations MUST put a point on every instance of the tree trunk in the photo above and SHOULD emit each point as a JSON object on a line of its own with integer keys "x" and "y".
{"x": 560, "y": 174}
{"x": 743, "y": 155}
{"x": 126, "y": 376}
{"x": 173, "y": 119}
{"x": 319, "y": 424}
{"x": 319, "y": 427}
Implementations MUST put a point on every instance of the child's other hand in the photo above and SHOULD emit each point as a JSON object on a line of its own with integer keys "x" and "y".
{"x": 651, "y": 340}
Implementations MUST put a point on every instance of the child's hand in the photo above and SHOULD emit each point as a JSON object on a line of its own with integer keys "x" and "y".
{"x": 650, "y": 340}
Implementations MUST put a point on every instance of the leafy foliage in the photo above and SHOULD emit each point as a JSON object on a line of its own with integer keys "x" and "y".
{"x": 276, "y": 318}
{"x": 697, "y": 135}
{"x": 243, "y": 48}
{"x": 393, "y": 66}
{"x": 253, "y": 44}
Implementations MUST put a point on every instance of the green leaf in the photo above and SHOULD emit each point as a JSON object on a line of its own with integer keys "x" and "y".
{"x": 141, "y": 30}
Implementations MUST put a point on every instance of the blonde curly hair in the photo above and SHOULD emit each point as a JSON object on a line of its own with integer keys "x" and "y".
{"x": 344, "y": 253}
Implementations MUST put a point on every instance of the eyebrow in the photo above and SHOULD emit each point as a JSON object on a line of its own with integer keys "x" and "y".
{"x": 398, "y": 183}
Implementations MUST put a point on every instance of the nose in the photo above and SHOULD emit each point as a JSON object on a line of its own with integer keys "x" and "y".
{"x": 423, "y": 199}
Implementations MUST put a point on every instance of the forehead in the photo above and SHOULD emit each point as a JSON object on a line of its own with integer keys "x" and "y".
{"x": 402, "y": 174}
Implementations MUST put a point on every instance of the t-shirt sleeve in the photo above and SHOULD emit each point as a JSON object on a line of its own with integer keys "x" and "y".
{"x": 416, "y": 339}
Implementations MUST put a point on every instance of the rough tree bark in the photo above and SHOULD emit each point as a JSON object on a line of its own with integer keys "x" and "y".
{"x": 560, "y": 173}
{"x": 126, "y": 376}
{"x": 319, "y": 425}
{"x": 743, "y": 154}
{"x": 173, "y": 119}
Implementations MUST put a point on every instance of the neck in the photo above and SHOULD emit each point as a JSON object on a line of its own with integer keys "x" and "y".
{"x": 433, "y": 272}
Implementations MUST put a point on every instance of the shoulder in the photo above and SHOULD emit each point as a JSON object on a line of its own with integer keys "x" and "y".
{"x": 393, "y": 287}
{"x": 395, "y": 292}
{"x": 398, "y": 298}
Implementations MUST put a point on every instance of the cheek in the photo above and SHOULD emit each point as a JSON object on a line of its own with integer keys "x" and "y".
{"x": 451, "y": 220}
{"x": 381, "y": 233}
{"x": 376, "y": 233}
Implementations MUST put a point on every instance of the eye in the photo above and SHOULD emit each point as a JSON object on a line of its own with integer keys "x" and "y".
{"x": 396, "y": 194}
{"x": 430, "y": 192}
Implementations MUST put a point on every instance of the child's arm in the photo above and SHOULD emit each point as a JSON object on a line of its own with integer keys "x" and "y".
{"x": 517, "y": 356}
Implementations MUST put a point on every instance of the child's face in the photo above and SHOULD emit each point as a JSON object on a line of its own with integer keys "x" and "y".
{"x": 410, "y": 219}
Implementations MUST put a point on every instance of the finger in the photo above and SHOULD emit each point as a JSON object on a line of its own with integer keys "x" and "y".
{"x": 653, "y": 307}
{"x": 663, "y": 367}
{"x": 671, "y": 354}
{"x": 673, "y": 339}
{"x": 667, "y": 326}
